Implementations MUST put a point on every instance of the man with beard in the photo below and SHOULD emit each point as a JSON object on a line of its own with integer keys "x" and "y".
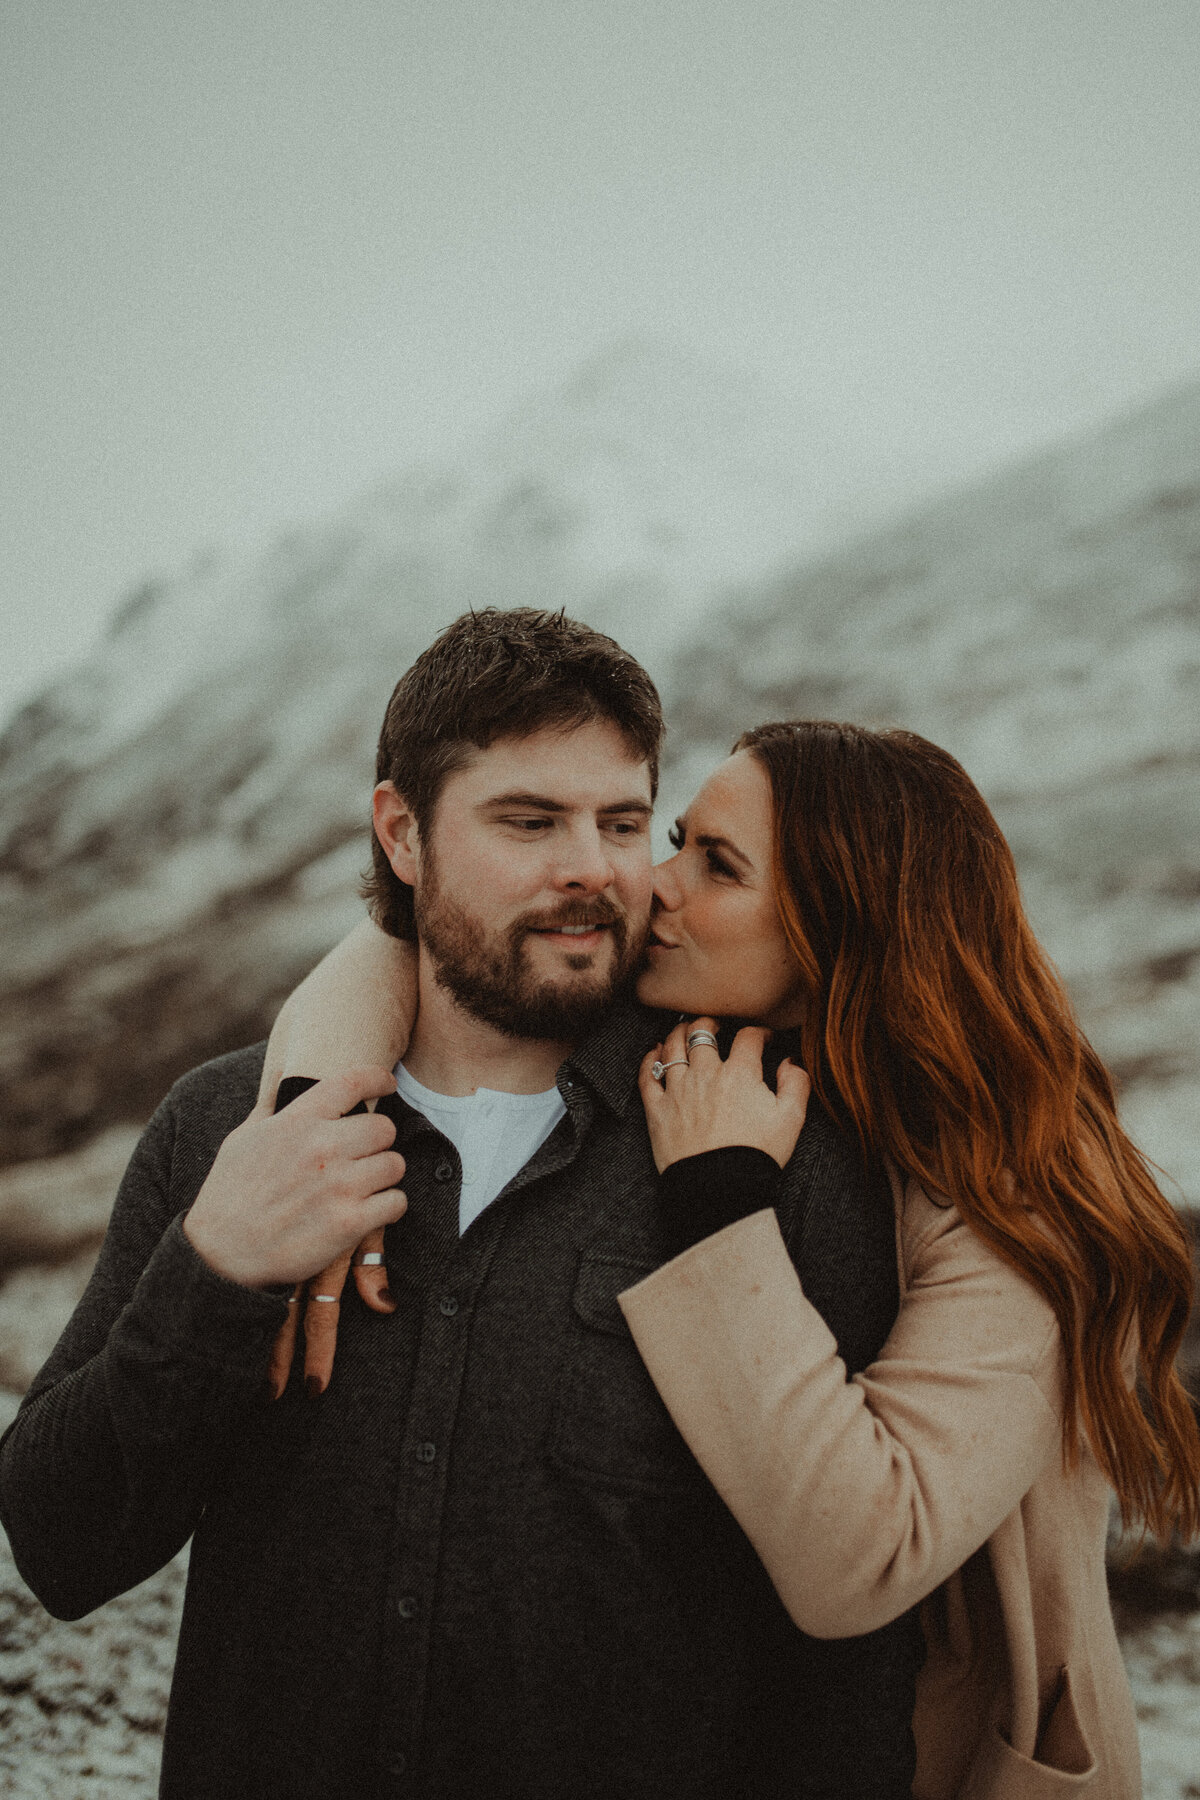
{"x": 481, "y": 1561}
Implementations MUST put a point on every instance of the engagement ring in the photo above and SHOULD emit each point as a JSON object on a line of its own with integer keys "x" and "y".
{"x": 659, "y": 1069}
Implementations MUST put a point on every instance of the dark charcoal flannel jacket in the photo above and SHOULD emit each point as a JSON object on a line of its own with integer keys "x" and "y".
{"x": 484, "y": 1562}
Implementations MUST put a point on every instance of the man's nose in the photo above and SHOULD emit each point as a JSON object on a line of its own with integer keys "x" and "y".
{"x": 587, "y": 864}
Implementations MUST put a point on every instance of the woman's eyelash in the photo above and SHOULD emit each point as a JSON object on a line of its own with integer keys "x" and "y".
{"x": 677, "y": 838}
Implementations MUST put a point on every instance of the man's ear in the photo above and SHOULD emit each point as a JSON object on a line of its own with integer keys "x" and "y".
{"x": 396, "y": 829}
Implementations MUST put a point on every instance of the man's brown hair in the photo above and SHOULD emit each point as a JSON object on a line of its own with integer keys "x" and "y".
{"x": 493, "y": 675}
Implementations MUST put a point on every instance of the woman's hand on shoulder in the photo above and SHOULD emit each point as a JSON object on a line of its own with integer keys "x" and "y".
{"x": 707, "y": 1102}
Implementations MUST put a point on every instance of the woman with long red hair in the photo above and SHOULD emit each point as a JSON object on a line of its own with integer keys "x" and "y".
{"x": 850, "y": 891}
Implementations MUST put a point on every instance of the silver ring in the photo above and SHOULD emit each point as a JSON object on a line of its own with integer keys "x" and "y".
{"x": 702, "y": 1037}
{"x": 370, "y": 1259}
{"x": 330, "y": 1299}
{"x": 293, "y": 1299}
{"x": 659, "y": 1069}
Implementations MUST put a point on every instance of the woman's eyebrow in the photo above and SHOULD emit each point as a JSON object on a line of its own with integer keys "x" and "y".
{"x": 709, "y": 840}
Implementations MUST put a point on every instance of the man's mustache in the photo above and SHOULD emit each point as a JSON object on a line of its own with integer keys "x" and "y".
{"x": 573, "y": 912}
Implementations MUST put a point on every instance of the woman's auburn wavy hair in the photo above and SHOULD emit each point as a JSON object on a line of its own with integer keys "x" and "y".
{"x": 941, "y": 1034}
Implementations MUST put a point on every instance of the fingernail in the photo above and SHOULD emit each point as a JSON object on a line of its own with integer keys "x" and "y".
{"x": 314, "y": 1386}
{"x": 270, "y": 1391}
{"x": 387, "y": 1296}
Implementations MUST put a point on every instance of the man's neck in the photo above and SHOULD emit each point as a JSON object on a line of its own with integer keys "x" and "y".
{"x": 452, "y": 1052}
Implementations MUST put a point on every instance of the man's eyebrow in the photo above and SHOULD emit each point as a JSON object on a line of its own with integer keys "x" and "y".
{"x": 543, "y": 803}
{"x": 629, "y": 806}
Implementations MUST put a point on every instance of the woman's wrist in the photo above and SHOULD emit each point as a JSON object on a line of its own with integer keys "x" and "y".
{"x": 699, "y": 1195}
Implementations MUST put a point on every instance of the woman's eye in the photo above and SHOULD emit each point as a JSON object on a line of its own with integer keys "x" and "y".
{"x": 718, "y": 865}
{"x": 675, "y": 836}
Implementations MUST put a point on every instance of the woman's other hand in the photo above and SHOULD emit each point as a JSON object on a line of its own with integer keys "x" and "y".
{"x": 705, "y": 1102}
{"x": 359, "y": 1002}
{"x": 321, "y": 1315}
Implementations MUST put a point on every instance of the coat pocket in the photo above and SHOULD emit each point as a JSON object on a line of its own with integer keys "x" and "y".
{"x": 609, "y": 1423}
{"x": 1063, "y": 1762}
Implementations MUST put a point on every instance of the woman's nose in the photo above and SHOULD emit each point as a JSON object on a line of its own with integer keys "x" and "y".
{"x": 665, "y": 885}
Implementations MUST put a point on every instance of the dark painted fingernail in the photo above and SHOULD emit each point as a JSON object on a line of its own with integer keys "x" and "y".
{"x": 314, "y": 1386}
{"x": 387, "y": 1296}
{"x": 269, "y": 1391}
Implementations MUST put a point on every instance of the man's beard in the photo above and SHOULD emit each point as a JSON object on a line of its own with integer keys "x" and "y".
{"x": 490, "y": 975}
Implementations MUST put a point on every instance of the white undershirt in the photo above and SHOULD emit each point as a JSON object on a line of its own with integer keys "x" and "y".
{"x": 494, "y": 1133}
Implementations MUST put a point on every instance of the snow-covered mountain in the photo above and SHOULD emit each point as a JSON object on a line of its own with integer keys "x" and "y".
{"x": 182, "y": 817}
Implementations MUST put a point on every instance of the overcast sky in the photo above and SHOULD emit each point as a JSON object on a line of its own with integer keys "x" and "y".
{"x": 256, "y": 256}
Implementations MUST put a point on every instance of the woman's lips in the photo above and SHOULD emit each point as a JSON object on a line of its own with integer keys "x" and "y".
{"x": 654, "y": 942}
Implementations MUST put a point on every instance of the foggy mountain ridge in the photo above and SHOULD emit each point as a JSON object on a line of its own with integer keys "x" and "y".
{"x": 183, "y": 816}
{"x": 1043, "y": 625}
{"x": 182, "y": 819}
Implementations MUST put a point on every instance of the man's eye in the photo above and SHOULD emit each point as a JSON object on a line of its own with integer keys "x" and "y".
{"x": 530, "y": 825}
{"x": 626, "y": 827}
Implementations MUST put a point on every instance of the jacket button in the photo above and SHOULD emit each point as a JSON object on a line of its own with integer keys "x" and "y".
{"x": 426, "y": 1452}
{"x": 444, "y": 1172}
{"x": 448, "y": 1306}
{"x": 407, "y": 1606}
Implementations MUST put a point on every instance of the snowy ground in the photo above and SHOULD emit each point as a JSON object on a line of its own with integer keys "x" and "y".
{"x": 82, "y": 1705}
{"x": 1163, "y": 1659}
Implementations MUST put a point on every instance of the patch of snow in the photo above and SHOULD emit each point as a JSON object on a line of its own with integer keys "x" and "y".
{"x": 1163, "y": 1661}
{"x": 83, "y": 1704}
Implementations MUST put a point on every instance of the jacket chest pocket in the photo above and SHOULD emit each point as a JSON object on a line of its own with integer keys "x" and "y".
{"x": 609, "y": 1424}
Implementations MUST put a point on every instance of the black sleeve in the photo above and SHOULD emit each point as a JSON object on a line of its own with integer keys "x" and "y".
{"x": 701, "y": 1194}
{"x": 105, "y": 1470}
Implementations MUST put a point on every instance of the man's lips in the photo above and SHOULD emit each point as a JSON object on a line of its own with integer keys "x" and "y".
{"x": 572, "y": 934}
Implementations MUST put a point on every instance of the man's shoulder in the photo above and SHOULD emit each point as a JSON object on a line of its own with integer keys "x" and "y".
{"x": 610, "y": 1056}
{"x": 217, "y": 1095}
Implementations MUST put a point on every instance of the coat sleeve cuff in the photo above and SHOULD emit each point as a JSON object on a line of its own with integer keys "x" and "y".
{"x": 202, "y": 1316}
{"x": 700, "y": 1195}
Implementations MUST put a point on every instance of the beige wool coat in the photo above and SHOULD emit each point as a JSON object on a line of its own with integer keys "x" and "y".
{"x": 936, "y": 1476}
